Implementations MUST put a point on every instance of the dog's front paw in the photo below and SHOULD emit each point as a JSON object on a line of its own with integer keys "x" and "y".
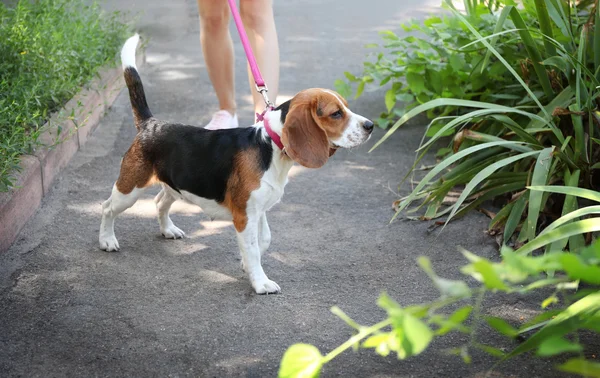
{"x": 266, "y": 286}
{"x": 172, "y": 232}
{"x": 109, "y": 243}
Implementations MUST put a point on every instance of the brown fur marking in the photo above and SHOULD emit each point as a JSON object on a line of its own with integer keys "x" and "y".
{"x": 244, "y": 178}
{"x": 136, "y": 172}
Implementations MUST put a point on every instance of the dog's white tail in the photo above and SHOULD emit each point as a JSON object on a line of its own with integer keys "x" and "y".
{"x": 128, "y": 52}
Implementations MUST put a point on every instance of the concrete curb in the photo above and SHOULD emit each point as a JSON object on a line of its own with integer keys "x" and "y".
{"x": 76, "y": 122}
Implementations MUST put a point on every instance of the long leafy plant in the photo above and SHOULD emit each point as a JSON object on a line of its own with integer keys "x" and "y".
{"x": 528, "y": 115}
{"x": 517, "y": 88}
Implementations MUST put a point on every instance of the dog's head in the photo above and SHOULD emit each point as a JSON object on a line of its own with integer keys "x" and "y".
{"x": 317, "y": 123}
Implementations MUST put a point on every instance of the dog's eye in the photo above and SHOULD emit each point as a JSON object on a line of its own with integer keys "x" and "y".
{"x": 337, "y": 114}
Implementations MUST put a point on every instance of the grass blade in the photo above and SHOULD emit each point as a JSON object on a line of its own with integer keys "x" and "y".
{"x": 570, "y": 190}
{"x": 547, "y": 115}
{"x": 575, "y": 228}
{"x": 482, "y": 175}
{"x": 569, "y": 207}
{"x": 474, "y": 114}
{"x": 545, "y": 25}
{"x": 570, "y": 216}
{"x": 540, "y": 177}
{"x": 515, "y": 217}
{"x": 497, "y": 29}
{"x": 449, "y": 161}
{"x": 458, "y": 103}
{"x": 517, "y": 129}
{"x": 532, "y": 50}
{"x": 597, "y": 37}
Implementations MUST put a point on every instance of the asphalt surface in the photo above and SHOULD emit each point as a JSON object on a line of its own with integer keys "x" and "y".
{"x": 184, "y": 308}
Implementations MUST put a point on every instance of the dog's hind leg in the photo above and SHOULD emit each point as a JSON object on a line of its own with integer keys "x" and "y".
{"x": 136, "y": 174}
{"x": 164, "y": 200}
{"x": 113, "y": 206}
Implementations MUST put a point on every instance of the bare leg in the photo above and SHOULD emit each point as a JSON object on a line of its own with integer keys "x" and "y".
{"x": 259, "y": 22}
{"x": 164, "y": 200}
{"x": 113, "y": 206}
{"x": 217, "y": 48}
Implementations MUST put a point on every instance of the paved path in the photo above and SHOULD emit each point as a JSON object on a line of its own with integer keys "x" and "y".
{"x": 184, "y": 308}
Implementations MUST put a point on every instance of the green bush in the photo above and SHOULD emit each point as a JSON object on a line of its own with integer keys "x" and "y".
{"x": 49, "y": 49}
{"x": 523, "y": 111}
{"x": 517, "y": 86}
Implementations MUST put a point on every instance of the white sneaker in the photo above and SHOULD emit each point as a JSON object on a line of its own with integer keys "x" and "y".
{"x": 222, "y": 120}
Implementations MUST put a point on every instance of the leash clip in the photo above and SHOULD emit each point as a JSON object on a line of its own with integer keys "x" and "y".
{"x": 262, "y": 89}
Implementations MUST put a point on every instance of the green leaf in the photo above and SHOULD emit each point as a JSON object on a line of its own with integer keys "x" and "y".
{"x": 579, "y": 227}
{"x": 343, "y": 88}
{"x": 350, "y": 77}
{"x": 342, "y": 315}
{"x": 458, "y": 103}
{"x": 501, "y": 326}
{"x": 429, "y": 22}
{"x": 375, "y": 340}
{"x": 582, "y": 367}
{"x": 385, "y": 302}
{"x": 448, "y": 288}
{"x": 540, "y": 177}
{"x": 301, "y": 361}
{"x": 531, "y": 46}
{"x": 455, "y": 320}
{"x": 572, "y": 318}
{"x": 360, "y": 89}
{"x": 550, "y": 300}
{"x": 570, "y": 190}
{"x": 569, "y": 206}
{"x": 457, "y": 62}
{"x": 484, "y": 174}
{"x": 491, "y": 350}
{"x": 489, "y": 276}
{"x": 416, "y": 336}
{"x": 515, "y": 217}
{"x": 577, "y": 270}
{"x": 556, "y": 345}
{"x": 497, "y": 29}
{"x": 416, "y": 82}
{"x": 558, "y": 62}
{"x": 390, "y": 99}
{"x": 570, "y": 216}
{"x": 545, "y": 25}
{"x": 440, "y": 167}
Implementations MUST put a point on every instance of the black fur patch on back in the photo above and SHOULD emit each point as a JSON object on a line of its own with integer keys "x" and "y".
{"x": 200, "y": 161}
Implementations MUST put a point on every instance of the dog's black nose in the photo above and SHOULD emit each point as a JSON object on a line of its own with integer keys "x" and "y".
{"x": 368, "y": 125}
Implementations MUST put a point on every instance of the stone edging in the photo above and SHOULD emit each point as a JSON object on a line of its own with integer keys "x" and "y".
{"x": 78, "y": 119}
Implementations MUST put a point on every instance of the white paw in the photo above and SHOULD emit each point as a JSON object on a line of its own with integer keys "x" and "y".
{"x": 266, "y": 286}
{"x": 172, "y": 232}
{"x": 243, "y": 266}
{"x": 109, "y": 243}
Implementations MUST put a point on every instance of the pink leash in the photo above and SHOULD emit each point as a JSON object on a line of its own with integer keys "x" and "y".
{"x": 261, "y": 87}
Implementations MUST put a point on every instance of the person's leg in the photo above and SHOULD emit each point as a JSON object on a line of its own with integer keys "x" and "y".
{"x": 259, "y": 22}
{"x": 217, "y": 48}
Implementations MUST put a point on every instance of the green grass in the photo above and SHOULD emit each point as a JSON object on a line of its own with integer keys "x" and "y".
{"x": 49, "y": 49}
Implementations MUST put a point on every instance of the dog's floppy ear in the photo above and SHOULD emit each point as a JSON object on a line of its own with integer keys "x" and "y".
{"x": 304, "y": 140}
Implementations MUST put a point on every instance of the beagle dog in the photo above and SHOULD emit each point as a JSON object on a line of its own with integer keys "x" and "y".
{"x": 234, "y": 174}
